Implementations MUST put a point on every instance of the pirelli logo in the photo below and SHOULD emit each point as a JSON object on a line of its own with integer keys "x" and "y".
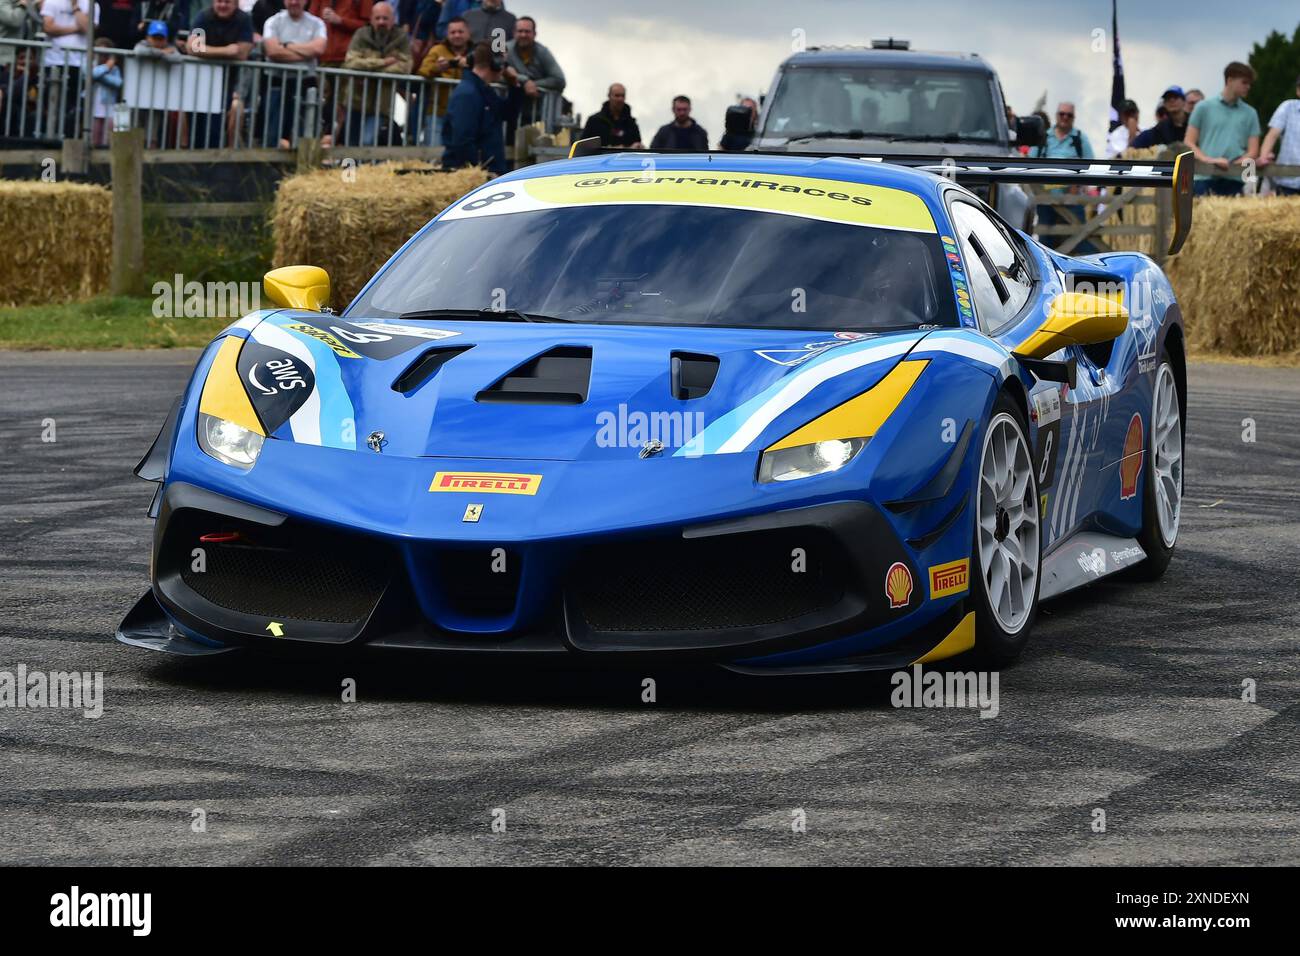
{"x": 951, "y": 578}
{"x": 491, "y": 482}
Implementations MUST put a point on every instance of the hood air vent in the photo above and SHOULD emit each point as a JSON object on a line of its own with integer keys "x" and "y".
{"x": 693, "y": 375}
{"x": 560, "y": 376}
{"x": 423, "y": 368}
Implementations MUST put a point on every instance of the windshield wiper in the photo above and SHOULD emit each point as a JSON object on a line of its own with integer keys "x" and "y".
{"x": 926, "y": 138}
{"x": 491, "y": 315}
{"x": 834, "y": 134}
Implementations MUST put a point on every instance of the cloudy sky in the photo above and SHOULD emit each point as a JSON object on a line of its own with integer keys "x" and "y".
{"x": 713, "y": 50}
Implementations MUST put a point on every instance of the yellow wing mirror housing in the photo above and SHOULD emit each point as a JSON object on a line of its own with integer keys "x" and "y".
{"x": 1076, "y": 318}
{"x": 298, "y": 287}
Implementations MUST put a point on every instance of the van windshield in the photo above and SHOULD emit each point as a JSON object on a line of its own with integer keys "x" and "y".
{"x": 884, "y": 104}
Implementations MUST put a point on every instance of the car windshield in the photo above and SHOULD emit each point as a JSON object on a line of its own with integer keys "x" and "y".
{"x": 673, "y": 265}
{"x": 884, "y": 103}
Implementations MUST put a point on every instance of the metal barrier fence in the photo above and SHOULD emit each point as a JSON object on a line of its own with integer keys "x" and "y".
{"x": 185, "y": 102}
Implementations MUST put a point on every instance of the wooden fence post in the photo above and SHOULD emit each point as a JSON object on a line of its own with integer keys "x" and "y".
{"x": 75, "y": 157}
{"x": 310, "y": 154}
{"x": 127, "y": 158}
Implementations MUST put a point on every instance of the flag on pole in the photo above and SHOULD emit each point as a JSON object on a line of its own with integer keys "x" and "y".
{"x": 1117, "y": 76}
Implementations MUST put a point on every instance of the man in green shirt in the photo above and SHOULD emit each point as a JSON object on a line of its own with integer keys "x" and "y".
{"x": 1223, "y": 131}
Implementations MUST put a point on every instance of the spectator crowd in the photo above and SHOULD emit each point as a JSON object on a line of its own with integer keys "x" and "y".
{"x": 466, "y": 73}
{"x": 425, "y": 54}
{"x": 1222, "y": 130}
{"x": 463, "y": 74}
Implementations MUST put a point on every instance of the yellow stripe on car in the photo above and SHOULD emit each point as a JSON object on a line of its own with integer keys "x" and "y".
{"x": 861, "y": 416}
{"x": 829, "y": 199}
{"x": 223, "y": 393}
{"x": 959, "y": 640}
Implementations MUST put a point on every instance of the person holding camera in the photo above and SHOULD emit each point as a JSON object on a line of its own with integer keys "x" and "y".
{"x": 446, "y": 60}
{"x": 472, "y": 128}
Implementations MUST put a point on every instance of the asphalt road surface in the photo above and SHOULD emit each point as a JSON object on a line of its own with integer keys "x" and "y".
{"x": 1129, "y": 701}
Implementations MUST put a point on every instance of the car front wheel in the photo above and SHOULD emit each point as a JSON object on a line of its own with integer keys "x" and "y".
{"x": 1008, "y": 553}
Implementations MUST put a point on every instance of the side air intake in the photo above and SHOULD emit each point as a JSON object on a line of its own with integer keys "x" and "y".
{"x": 693, "y": 375}
{"x": 560, "y": 376}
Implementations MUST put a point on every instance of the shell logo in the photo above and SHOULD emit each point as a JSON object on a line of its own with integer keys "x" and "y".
{"x": 898, "y": 585}
{"x": 1130, "y": 467}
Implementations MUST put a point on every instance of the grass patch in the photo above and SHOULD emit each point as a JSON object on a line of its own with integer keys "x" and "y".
{"x": 218, "y": 250}
{"x": 107, "y": 322}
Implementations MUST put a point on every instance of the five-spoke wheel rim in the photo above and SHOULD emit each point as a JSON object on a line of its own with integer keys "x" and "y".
{"x": 1008, "y": 523}
{"x": 1167, "y": 454}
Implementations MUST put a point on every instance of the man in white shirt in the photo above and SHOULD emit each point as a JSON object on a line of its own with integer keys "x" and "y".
{"x": 292, "y": 36}
{"x": 66, "y": 23}
{"x": 1285, "y": 124}
{"x": 1125, "y": 132}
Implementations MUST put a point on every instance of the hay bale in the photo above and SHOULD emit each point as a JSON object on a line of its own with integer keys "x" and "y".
{"x": 349, "y": 222}
{"x": 1236, "y": 278}
{"x": 61, "y": 238}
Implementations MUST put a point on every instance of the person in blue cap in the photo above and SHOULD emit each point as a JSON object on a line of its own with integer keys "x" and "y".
{"x": 1171, "y": 129}
{"x": 161, "y": 129}
{"x": 157, "y": 41}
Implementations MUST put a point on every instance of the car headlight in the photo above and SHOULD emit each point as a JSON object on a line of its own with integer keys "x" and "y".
{"x": 229, "y": 442}
{"x": 228, "y": 427}
{"x": 831, "y": 441}
{"x": 804, "y": 461}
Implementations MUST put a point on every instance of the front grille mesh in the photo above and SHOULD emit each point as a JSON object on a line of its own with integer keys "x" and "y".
{"x": 735, "y": 581}
{"x": 279, "y": 572}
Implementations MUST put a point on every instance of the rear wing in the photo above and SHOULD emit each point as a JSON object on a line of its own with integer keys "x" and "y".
{"x": 1175, "y": 174}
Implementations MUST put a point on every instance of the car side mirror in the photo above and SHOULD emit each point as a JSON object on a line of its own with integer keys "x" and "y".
{"x": 1075, "y": 318}
{"x": 298, "y": 287}
{"x": 1030, "y": 131}
{"x": 739, "y": 119}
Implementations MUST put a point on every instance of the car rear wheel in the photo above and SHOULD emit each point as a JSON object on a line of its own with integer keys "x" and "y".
{"x": 1008, "y": 553}
{"x": 1162, "y": 488}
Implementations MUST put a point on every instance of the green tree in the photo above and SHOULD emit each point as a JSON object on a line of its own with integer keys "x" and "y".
{"x": 1277, "y": 65}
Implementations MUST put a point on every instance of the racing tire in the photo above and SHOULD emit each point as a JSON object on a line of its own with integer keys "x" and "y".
{"x": 1007, "y": 553}
{"x": 1162, "y": 482}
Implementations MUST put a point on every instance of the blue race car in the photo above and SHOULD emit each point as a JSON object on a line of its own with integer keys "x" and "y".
{"x": 787, "y": 414}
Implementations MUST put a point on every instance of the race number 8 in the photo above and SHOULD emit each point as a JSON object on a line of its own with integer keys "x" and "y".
{"x": 486, "y": 201}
